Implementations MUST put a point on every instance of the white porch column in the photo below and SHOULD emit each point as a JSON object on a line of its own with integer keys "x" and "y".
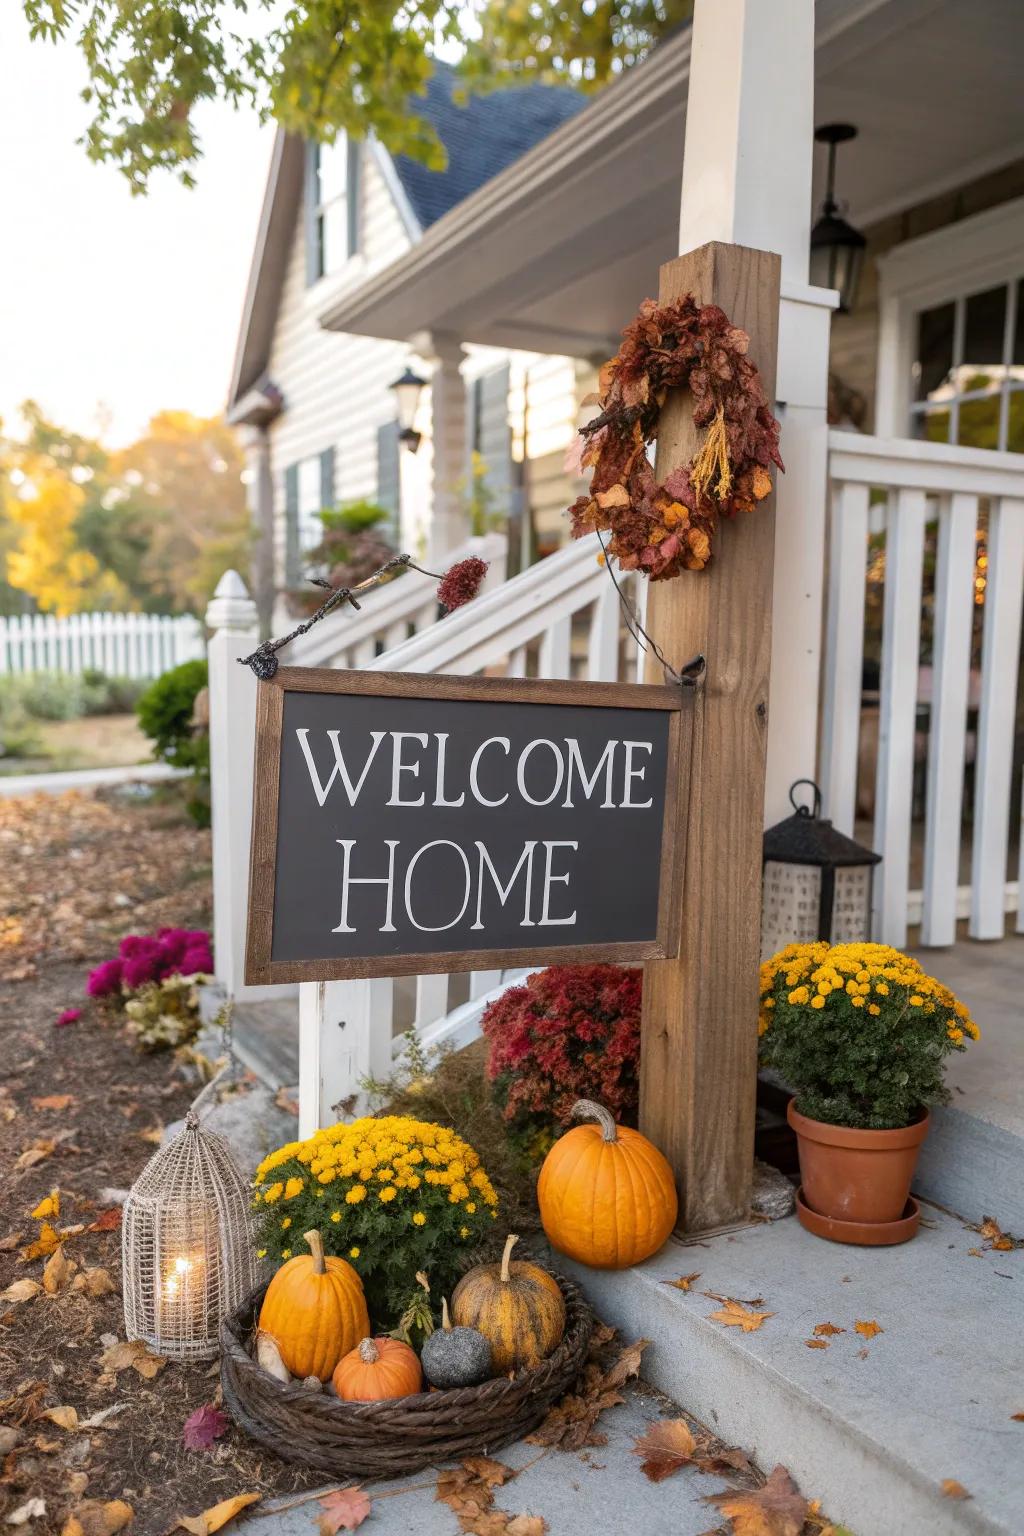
{"x": 260, "y": 498}
{"x": 747, "y": 180}
{"x": 232, "y": 617}
{"x": 449, "y": 520}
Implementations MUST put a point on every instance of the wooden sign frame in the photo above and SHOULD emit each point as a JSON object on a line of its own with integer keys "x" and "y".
{"x": 261, "y": 969}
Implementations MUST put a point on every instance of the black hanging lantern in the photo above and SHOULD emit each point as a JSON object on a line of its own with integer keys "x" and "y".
{"x": 817, "y": 881}
{"x": 407, "y": 391}
{"x": 837, "y": 249}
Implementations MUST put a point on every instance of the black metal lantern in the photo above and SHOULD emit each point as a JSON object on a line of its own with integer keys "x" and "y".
{"x": 407, "y": 390}
{"x": 816, "y": 883}
{"x": 837, "y": 249}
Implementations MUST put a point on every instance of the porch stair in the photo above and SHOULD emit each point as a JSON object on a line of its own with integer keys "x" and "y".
{"x": 870, "y": 1426}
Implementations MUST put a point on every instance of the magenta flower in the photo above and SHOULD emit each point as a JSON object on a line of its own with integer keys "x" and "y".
{"x": 69, "y": 1016}
{"x": 106, "y": 978}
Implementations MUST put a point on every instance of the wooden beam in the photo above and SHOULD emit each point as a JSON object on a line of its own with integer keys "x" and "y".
{"x": 699, "y": 1050}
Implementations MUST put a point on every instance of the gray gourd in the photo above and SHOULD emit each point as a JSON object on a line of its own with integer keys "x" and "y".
{"x": 455, "y": 1357}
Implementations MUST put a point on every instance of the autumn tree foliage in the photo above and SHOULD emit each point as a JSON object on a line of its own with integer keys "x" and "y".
{"x": 318, "y": 67}
{"x": 151, "y": 527}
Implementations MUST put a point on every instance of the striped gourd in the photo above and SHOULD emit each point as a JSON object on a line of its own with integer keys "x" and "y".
{"x": 516, "y": 1306}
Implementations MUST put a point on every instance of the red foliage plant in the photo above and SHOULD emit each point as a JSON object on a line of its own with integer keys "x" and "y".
{"x": 572, "y": 1032}
{"x": 664, "y": 529}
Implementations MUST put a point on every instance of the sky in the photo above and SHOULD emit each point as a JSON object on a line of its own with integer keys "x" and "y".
{"x": 113, "y": 307}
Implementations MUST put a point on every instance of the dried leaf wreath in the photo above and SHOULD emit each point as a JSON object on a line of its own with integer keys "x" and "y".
{"x": 668, "y": 528}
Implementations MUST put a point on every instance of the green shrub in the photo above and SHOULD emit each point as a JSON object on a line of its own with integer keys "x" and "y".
{"x": 165, "y": 715}
{"x": 65, "y": 696}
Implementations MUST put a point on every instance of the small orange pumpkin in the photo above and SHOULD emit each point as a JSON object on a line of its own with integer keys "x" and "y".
{"x": 315, "y": 1311}
{"x": 376, "y": 1369}
{"x": 607, "y": 1196}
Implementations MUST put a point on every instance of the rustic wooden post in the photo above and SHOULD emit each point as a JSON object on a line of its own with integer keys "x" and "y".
{"x": 699, "y": 1052}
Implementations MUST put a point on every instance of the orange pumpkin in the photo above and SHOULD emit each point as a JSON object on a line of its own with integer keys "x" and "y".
{"x": 518, "y": 1308}
{"x": 315, "y": 1311}
{"x": 607, "y": 1195}
{"x": 376, "y": 1369}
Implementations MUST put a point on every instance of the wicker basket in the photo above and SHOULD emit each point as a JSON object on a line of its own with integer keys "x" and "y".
{"x": 390, "y": 1438}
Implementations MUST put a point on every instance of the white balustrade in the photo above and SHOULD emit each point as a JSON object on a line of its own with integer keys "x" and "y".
{"x": 135, "y": 645}
{"x": 938, "y": 714}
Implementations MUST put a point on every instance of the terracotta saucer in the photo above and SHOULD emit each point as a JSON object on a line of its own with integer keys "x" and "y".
{"x": 868, "y": 1234}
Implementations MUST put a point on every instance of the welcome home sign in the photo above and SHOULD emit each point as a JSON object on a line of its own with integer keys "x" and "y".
{"x": 406, "y": 823}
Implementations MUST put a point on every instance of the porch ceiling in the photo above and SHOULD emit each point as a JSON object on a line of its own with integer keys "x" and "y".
{"x": 555, "y": 253}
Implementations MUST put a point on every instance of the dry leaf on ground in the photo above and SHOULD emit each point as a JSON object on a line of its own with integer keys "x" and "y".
{"x": 217, "y": 1515}
{"x": 94, "y": 1517}
{"x": 685, "y": 1282}
{"x": 1018, "y": 1418}
{"x": 21, "y": 1290}
{"x": 343, "y": 1510}
{"x": 826, "y": 1330}
{"x": 58, "y": 1272}
{"x": 203, "y": 1427}
{"x": 951, "y": 1489}
{"x": 46, "y": 1243}
{"x": 867, "y": 1330}
{"x": 106, "y": 1221}
{"x": 627, "y": 1365}
{"x": 64, "y": 1417}
{"x": 120, "y": 1356}
{"x": 571, "y": 1423}
{"x": 96, "y": 1282}
{"x": 34, "y": 1154}
{"x": 48, "y": 1207}
{"x": 777, "y": 1509}
{"x": 995, "y": 1237}
{"x": 816, "y": 1343}
{"x": 32, "y": 1509}
{"x": 54, "y": 1101}
{"x": 735, "y": 1315}
{"x": 667, "y": 1446}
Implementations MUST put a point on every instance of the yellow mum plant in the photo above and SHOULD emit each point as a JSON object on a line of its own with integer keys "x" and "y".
{"x": 860, "y": 1032}
{"x": 392, "y": 1195}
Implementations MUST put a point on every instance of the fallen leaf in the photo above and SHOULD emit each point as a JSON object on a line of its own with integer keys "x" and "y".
{"x": 58, "y": 1272}
{"x": 21, "y": 1290}
{"x": 46, "y": 1243}
{"x": 96, "y": 1517}
{"x": 627, "y": 1365}
{"x": 777, "y": 1509}
{"x": 96, "y": 1282}
{"x": 32, "y": 1509}
{"x": 827, "y": 1330}
{"x": 285, "y": 1099}
{"x": 34, "y": 1154}
{"x": 667, "y": 1446}
{"x": 816, "y": 1343}
{"x": 203, "y": 1427}
{"x": 54, "y": 1101}
{"x": 494, "y": 1474}
{"x": 728, "y": 1459}
{"x": 685, "y": 1282}
{"x": 344, "y": 1509}
{"x": 48, "y": 1207}
{"x": 118, "y": 1357}
{"x": 64, "y": 1418}
{"x": 10, "y": 1242}
{"x": 526, "y": 1525}
{"x": 1018, "y": 1418}
{"x": 996, "y": 1238}
{"x": 106, "y": 1221}
{"x": 867, "y": 1330}
{"x": 95, "y": 1420}
{"x": 218, "y": 1515}
{"x": 951, "y": 1489}
{"x": 735, "y": 1315}
{"x": 976, "y": 1253}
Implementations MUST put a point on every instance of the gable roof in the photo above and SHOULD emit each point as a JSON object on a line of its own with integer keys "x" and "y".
{"x": 482, "y": 138}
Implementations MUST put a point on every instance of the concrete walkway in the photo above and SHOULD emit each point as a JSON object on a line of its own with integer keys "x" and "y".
{"x": 577, "y": 1493}
{"x": 86, "y": 778}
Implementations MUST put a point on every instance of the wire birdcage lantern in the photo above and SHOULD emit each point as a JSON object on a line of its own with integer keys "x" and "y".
{"x": 187, "y": 1248}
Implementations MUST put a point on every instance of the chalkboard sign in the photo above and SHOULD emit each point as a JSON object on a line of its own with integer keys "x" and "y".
{"x": 405, "y": 823}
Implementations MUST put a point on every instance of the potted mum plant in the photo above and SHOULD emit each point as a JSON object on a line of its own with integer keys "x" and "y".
{"x": 861, "y": 1033}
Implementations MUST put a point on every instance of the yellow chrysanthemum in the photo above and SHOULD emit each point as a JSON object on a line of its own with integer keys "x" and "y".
{"x": 419, "y": 1220}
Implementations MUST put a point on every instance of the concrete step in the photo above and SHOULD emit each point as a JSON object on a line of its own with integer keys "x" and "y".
{"x": 872, "y": 1426}
{"x": 973, "y": 1159}
{"x": 265, "y": 1036}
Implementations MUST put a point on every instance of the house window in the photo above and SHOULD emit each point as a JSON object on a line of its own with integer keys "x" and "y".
{"x": 332, "y": 206}
{"x": 968, "y": 370}
{"x": 308, "y": 489}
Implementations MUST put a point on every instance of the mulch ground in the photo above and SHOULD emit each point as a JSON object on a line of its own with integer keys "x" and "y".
{"x": 79, "y": 872}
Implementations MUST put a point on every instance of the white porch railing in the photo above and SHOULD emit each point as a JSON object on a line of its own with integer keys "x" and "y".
{"x": 138, "y": 645}
{"x": 960, "y": 712}
{"x": 559, "y": 619}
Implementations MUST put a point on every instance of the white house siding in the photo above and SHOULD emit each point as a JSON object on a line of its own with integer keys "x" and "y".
{"x": 335, "y": 386}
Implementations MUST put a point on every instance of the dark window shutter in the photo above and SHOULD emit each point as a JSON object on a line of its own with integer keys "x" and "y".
{"x": 355, "y": 195}
{"x": 291, "y": 526}
{"x": 327, "y": 497}
{"x": 311, "y": 219}
{"x": 389, "y": 488}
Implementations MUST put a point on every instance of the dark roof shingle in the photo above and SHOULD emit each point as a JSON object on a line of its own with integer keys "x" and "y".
{"x": 482, "y": 137}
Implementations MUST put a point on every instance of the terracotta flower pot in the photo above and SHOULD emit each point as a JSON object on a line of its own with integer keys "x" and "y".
{"x": 857, "y": 1176}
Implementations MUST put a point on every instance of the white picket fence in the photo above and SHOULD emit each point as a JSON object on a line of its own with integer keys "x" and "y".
{"x": 138, "y": 645}
{"x": 933, "y": 723}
